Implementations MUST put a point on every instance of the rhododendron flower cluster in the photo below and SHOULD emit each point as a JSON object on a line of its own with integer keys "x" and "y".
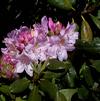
{"x": 26, "y": 46}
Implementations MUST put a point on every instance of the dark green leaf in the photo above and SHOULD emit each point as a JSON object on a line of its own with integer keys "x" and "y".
{"x": 86, "y": 32}
{"x": 49, "y": 88}
{"x": 96, "y": 21}
{"x": 58, "y": 66}
{"x": 34, "y": 95}
{"x": 19, "y": 99}
{"x": 63, "y": 4}
{"x": 98, "y": 14}
{"x": 93, "y": 47}
{"x": 60, "y": 97}
{"x": 51, "y": 75}
{"x": 68, "y": 93}
{"x": 71, "y": 77}
{"x": 86, "y": 74}
{"x": 2, "y": 98}
{"x": 83, "y": 93}
{"x": 19, "y": 85}
{"x": 5, "y": 89}
{"x": 96, "y": 65}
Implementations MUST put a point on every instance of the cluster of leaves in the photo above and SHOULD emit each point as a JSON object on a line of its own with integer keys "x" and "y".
{"x": 58, "y": 81}
{"x": 78, "y": 78}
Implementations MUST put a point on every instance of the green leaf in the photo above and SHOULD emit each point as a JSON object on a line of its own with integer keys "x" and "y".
{"x": 96, "y": 21}
{"x": 58, "y": 66}
{"x": 68, "y": 93}
{"x": 83, "y": 93}
{"x": 71, "y": 77}
{"x": 96, "y": 65}
{"x": 63, "y": 4}
{"x": 5, "y": 89}
{"x": 86, "y": 74}
{"x": 91, "y": 48}
{"x": 86, "y": 32}
{"x": 34, "y": 95}
{"x": 2, "y": 98}
{"x": 38, "y": 68}
{"x": 44, "y": 65}
{"x": 19, "y": 99}
{"x": 98, "y": 14}
{"x": 49, "y": 88}
{"x": 51, "y": 75}
{"x": 60, "y": 97}
{"x": 19, "y": 85}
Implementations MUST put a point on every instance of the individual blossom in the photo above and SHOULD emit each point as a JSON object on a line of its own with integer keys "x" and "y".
{"x": 54, "y": 27}
{"x": 41, "y": 30}
{"x": 69, "y": 35}
{"x": 24, "y": 63}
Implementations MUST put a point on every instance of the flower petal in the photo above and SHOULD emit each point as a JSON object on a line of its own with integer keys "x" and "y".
{"x": 29, "y": 70}
{"x": 19, "y": 67}
{"x": 62, "y": 53}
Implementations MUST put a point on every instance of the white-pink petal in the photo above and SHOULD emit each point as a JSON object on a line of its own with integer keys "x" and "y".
{"x": 29, "y": 70}
{"x": 19, "y": 67}
{"x": 62, "y": 53}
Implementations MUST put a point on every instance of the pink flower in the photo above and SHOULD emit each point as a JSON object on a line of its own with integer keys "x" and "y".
{"x": 8, "y": 59}
{"x": 41, "y": 30}
{"x": 47, "y": 40}
{"x": 51, "y": 25}
{"x": 69, "y": 37}
{"x": 24, "y": 63}
{"x": 54, "y": 27}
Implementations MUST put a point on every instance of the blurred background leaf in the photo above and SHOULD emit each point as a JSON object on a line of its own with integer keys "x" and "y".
{"x": 86, "y": 32}
{"x": 64, "y": 4}
{"x": 96, "y": 65}
{"x": 96, "y": 21}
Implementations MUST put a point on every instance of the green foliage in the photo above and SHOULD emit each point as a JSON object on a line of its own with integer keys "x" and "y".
{"x": 34, "y": 95}
{"x": 96, "y": 21}
{"x": 49, "y": 88}
{"x": 19, "y": 85}
{"x": 2, "y": 98}
{"x": 58, "y": 66}
{"x": 71, "y": 77}
{"x": 19, "y": 99}
{"x": 86, "y": 74}
{"x": 68, "y": 93}
{"x": 98, "y": 15}
{"x": 64, "y": 4}
{"x": 5, "y": 89}
{"x": 83, "y": 93}
{"x": 60, "y": 97}
{"x": 86, "y": 32}
{"x": 96, "y": 65}
{"x": 92, "y": 47}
